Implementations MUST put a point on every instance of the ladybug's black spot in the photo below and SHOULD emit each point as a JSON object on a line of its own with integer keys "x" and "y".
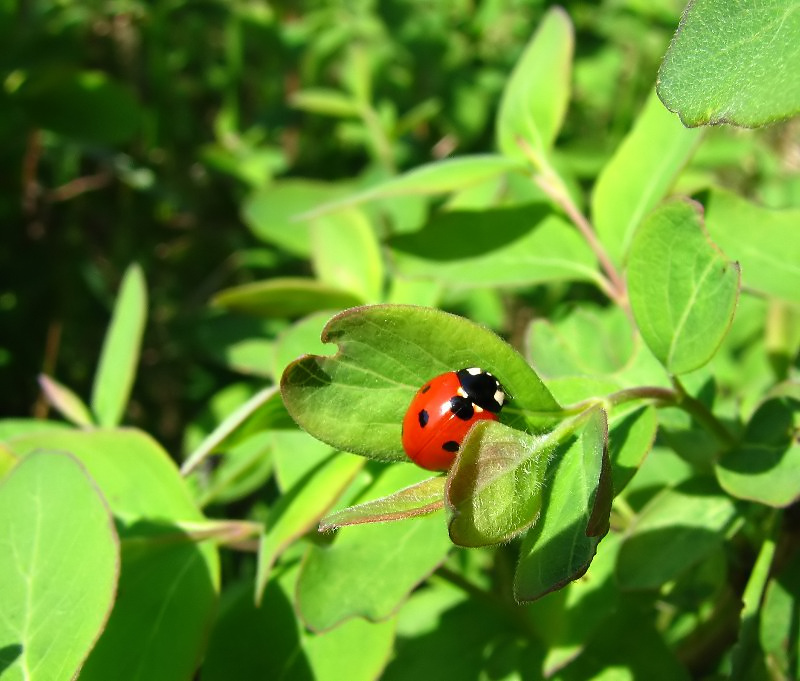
{"x": 450, "y": 446}
{"x": 423, "y": 418}
{"x": 425, "y": 389}
{"x": 462, "y": 407}
{"x": 482, "y": 388}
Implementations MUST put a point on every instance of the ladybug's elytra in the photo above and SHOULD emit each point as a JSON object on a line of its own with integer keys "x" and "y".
{"x": 443, "y": 411}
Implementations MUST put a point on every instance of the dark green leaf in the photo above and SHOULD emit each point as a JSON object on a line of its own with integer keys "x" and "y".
{"x": 466, "y": 248}
{"x": 765, "y": 467}
{"x": 356, "y": 400}
{"x": 576, "y": 502}
{"x": 675, "y": 531}
{"x": 369, "y": 570}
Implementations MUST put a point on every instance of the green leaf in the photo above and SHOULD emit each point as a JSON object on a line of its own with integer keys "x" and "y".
{"x": 439, "y": 177}
{"x": 269, "y": 642}
{"x": 120, "y": 355}
{"x": 639, "y": 175}
{"x": 301, "y": 338}
{"x": 675, "y": 531}
{"x": 733, "y": 62}
{"x": 536, "y": 95}
{"x": 630, "y": 438}
{"x": 10, "y": 428}
{"x": 421, "y": 498}
{"x": 368, "y": 570}
{"x": 325, "y": 102}
{"x": 465, "y": 248}
{"x": 137, "y": 477}
{"x": 779, "y": 634}
{"x": 356, "y": 400}
{"x": 346, "y": 254}
{"x": 58, "y": 567}
{"x": 270, "y": 212}
{"x": 7, "y": 461}
{"x": 683, "y": 290}
{"x": 765, "y": 242}
{"x": 576, "y": 503}
{"x": 165, "y": 603}
{"x": 765, "y": 466}
{"x": 300, "y": 508}
{"x": 567, "y": 620}
{"x": 288, "y": 297}
{"x": 86, "y": 105}
{"x": 67, "y": 402}
{"x": 494, "y": 488}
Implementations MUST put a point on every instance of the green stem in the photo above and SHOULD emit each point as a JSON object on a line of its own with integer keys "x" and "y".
{"x": 746, "y": 646}
{"x": 702, "y": 414}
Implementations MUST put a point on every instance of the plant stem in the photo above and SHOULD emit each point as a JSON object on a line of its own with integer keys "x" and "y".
{"x": 551, "y": 183}
{"x": 702, "y": 414}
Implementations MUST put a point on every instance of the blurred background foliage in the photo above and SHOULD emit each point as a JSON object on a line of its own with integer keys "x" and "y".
{"x": 151, "y": 131}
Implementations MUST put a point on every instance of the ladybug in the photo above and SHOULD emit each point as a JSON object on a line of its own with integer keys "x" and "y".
{"x": 443, "y": 411}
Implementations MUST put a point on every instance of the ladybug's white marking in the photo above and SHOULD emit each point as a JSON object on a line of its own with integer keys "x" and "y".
{"x": 460, "y": 392}
{"x": 474, "y": 371}
{"x": 478, "y": 409}
{"x": 499, "y": 397}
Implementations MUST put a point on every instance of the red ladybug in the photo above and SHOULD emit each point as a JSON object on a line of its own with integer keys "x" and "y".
{"x": 443, "y": 411}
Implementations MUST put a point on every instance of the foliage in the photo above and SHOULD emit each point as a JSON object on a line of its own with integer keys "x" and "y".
{"x": 327, "y": 209}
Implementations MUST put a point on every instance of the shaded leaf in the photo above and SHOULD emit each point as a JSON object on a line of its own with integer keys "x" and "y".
{"x": 683, "y": 290}
{"x": 517, "y": 246}
{"x": 576, "y": 504}
{"x": 300, "y": 508}
{"x": 675, "y": 531}
{"x": 368, "y": 571}
{"x": 765, "y": 466}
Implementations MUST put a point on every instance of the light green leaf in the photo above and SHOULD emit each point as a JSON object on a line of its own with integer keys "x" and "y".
{"x": 683, "y": 290}
{"x": 288, "y": 297}
{"x": 356, "y": 400}
{"x": 325, "y": 102}
{"x": 639, "y": 175}
{"x": 576, "y": 503}
{"x": 299, "y": 509}
{"x": 66, "y": 401}
{"x": 59, "y": 565}
{"x": 346, "y": 254}
{"x": 733, "y": 61}
{"x": 421, "y": 498}
{"x": 439, "y": 177}
{"x": 535, "y": 99}
{"x": 676, "y": 530}
{"x": 301, "y": 338}
{"x": 368, "y": 570}
{"x": 137, "y": 477}
{"x": 165, "y": 603}
{"x": 270, "y": 212}
{"x": 494, "y": 488}
{"x": 517, "y": 246}
{"x": 765, "y": 242}
{"x": 120, "y": 355}
{"x": 765, "y": 466}
{"x": 10, "y": 428}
